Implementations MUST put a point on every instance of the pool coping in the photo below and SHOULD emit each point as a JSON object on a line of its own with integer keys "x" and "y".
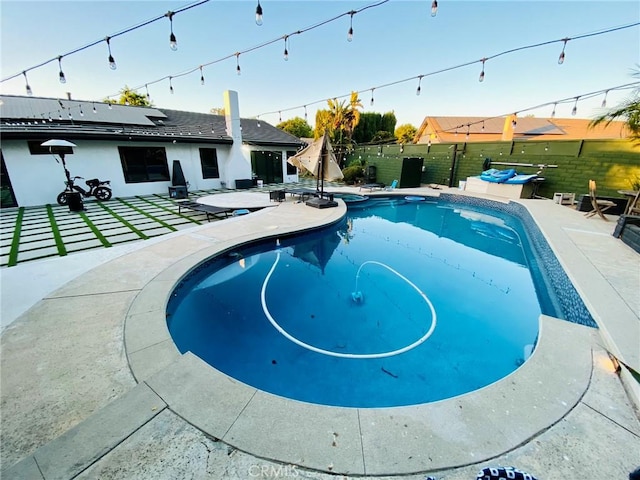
{"x": 460, "y": 431}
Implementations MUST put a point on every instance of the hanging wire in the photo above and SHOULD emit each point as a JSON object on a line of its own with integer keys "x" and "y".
{"x": 462, "y": 65}
{"x": 97, "y": 42}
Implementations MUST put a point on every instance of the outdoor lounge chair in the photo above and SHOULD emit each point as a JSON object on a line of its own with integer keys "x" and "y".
{"x": 201, "y": 207}
{"x": 372, "y": 186}
{"x": 599, "y": 206}
{"x": 393, "y": 185}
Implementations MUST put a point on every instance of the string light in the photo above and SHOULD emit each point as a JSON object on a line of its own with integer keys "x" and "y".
{"x": 604, "y": 100}
{"x": 259, "y": 14}
{"x": 468, "y": 131}
{"x": 201, "y": 76}
{"x": 350, "y": 32}
{"x": 173, "y": 43}
{"x": 481, "y": 78}
{"x": 553, "y": 112}
{"x": 112, "y": 62}
{"x": 371, "y": 103}
{"x": 434, "y": 8}
{"x": 94, "y": 110}
{"x": 419, "y": 89}
{"x": 280, "y": 116}
{"x": 27, "y": 87}
{"x": 61, "y": 74}
{"x": 286, "y": 50}
{"x": 482, "y": 126}
{"x": 561, "y": 57}
{"x": 81, "y": 112}
{"x": 238, "y": 63}
{"x": 574, "y": 110}
{"x": 170, "y": 86}
{"x": 514, "y": 120}
{"x": 305, "y": 112}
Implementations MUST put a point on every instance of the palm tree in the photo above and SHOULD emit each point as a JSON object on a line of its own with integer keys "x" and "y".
{"x": 629, "y": 111}
{"x": 339, "y": 122}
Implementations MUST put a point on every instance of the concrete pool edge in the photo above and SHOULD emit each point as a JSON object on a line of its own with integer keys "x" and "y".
{"x": 451, "y": 433}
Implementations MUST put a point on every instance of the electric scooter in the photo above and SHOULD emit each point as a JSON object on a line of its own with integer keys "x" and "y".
{"x": 97, "y": 188}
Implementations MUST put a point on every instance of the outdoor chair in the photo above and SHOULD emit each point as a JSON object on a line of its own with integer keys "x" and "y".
{"x": 393, "y": 185}
{"x": 634, "y": 206}
{"x": 598, "y": 206}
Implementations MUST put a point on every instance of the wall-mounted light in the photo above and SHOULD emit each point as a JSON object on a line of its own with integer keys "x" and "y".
{"x": 561, "y": 57}
{"x": 259, "y": 14}
{"x": 350, "y": 32}
{"x": 173, "y": 43}
{"x": 434, "y": 8}
{"x": 61, "y": 76}
{"x": 27, "y": 87}
{"x": 481, "y": 77}
{"x": 112, "y": 62}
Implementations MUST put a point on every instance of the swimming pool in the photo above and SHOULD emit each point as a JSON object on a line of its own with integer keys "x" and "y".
{"x": 404, "y": 302}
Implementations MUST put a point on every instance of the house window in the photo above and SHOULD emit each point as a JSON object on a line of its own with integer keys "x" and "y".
{"x": 35, "y": 148}
{"x": 209, "y": 162}
{"x": 144, "y": 164}
{"x": 291, "y": 169}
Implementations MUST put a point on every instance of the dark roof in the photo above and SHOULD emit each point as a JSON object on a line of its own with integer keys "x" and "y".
{"x": 29, "y": 117}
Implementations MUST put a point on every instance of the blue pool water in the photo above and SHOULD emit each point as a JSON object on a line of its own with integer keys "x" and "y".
{"x": 404, "y": 302}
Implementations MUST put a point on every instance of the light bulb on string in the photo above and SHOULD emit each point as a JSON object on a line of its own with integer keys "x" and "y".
{"x": 50, "y": 119}
{"x": 280, "y": 117}
{"x": 258, "y": 119}
{"x": 146, "y": 87}
{"x": 94, "y": 108}
{"x": 112, "y": 62}
{"x": 561, "y": 57}
{"x": 110, "y": 107}
{"x": 482, "y": 126}
{"x": 286, "y": 50}
{"x": 468, "y": 131}
{"x": 201, "y": 76}
{"x": 481, "y": 78}
{"x": 238, "y": 63}
{"x": 59, "y": 115}
{"x": 305, "y": 113}
{"x": 604, "y": 100}
{"x": 81, "y": 112}
{"x": 170, "y": 86}
{"x": 514, "y": 120}
{"x": 434, "y": 8}
{"x": 173, "y": 43}
{"x": 574, "y": 110}
{"x": 61, "y": 76}
{"x": 553, "y": 112}
{"x": 350, "y": 32}
{"x": 371, "y": 102}
{"x": 419, "y": 89}
{"x": 27, "y": 87}
{"x": 259, "y": 14}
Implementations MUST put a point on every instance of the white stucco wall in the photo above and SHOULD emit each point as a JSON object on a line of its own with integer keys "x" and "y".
{"x": 38, "y": 179}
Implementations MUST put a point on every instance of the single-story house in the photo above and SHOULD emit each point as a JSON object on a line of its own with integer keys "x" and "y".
{"x": 135, "y": 148}
{"x": 480, "y": 129}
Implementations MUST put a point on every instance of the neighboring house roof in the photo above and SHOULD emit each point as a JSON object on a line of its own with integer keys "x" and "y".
{"x": 28, "y": 117}
{"x": 480, "y": 129}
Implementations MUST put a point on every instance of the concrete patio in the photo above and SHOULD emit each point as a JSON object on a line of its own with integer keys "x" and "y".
{"x": 93, "y": 386}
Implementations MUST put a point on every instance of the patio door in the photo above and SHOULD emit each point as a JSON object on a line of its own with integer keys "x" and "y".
{"x": 7, "y": 198}
{"x": 267, "y": 166}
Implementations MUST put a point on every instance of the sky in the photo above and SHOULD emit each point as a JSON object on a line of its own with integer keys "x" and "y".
{"x": 394, "y": 41}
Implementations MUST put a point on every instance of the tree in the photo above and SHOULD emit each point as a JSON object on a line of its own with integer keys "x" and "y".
{"x": 297, "y": 127}
{"x": 339, "y": 122}
{"x": 405, "y": 133}
{"x": 628, "y": 111}
{"x": 217, "y": 111}
{"x": 130, "y": 97}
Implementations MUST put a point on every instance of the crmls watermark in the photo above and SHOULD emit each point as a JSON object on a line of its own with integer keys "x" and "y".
{"x": 273, "y": 471}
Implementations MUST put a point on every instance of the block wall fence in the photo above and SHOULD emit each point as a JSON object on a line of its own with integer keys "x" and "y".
{"x": 613, "y": 164}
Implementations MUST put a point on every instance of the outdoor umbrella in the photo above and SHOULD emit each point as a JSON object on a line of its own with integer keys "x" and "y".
{"x": 312, "y": 158}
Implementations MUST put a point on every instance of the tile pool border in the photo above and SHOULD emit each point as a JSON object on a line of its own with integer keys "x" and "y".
{"x": 383, "y": 441}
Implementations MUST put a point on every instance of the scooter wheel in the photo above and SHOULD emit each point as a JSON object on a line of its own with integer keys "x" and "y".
{"x": 62, "y": 199}
{"x": 102, "y": 193}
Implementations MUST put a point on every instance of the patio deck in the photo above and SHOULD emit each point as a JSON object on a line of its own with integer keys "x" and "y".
{"x": 115, "y": 399}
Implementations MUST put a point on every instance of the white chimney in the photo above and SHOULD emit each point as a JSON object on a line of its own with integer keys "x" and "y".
{"x": 237, "y": 166}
